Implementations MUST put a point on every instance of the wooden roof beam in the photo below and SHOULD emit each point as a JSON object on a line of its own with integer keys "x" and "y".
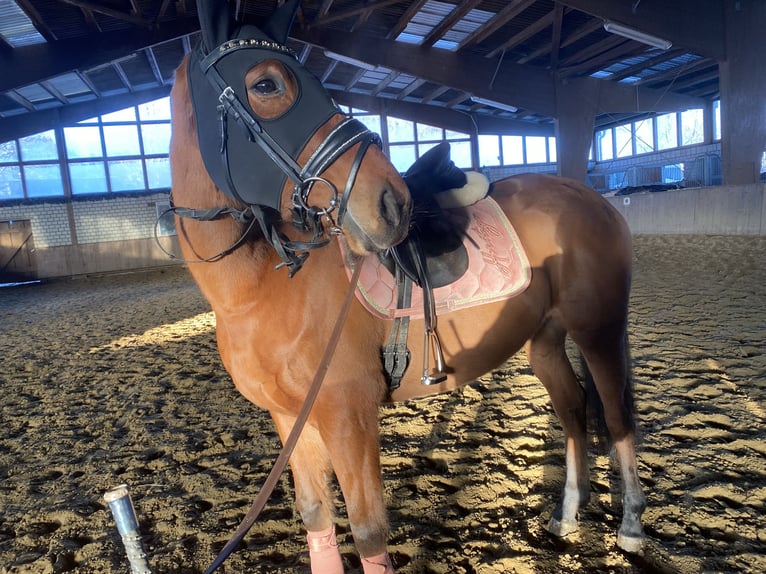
{"x": 132, "y": 18}
{"x": 449, "y": 21}
{"x": 513, "y": 9}
{"x": 408, "y": 15}
{"x": 697, "y": 25}
{"x": 37, "y": 20}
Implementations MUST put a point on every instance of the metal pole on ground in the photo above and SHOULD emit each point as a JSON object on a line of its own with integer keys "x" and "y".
{"x": 127, "y": 525}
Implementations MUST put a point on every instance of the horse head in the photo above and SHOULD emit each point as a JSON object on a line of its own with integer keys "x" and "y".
{"x": 265, "y": 125}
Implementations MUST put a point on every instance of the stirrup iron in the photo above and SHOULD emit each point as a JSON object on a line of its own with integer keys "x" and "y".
{"x": 431, "y": 344}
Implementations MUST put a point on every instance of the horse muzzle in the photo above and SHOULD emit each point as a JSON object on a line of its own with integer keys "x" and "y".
{"x": 384, "y": 220}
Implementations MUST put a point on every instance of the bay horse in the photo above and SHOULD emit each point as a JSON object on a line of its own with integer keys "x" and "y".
{"x": 234, "y": 218}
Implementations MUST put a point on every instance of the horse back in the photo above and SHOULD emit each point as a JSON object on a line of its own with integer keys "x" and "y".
{"x": 577, "y": 238}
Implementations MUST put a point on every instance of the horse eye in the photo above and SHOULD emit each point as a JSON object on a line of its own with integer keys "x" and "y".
{"x": 265, "y": 86}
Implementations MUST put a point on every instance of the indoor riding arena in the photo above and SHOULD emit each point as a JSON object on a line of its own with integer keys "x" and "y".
{"x": 110, "y": 371}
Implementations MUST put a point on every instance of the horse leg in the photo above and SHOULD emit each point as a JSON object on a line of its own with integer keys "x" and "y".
{"x": 310, "y": 465}
{"x": 547, "y": 356}
{"x": 606, "y": 353}
{"x": 352, "y": 437}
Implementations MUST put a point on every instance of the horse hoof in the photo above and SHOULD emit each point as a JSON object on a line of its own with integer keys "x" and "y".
{"x": 561, "y": 528}
{"x": 630, "y": 544}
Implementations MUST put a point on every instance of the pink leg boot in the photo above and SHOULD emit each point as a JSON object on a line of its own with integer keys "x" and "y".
{"x": 323, "y": 551}
{"x": 380, "y": 564}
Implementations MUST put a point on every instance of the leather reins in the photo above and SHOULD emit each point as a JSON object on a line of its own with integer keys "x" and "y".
{"x": 292, "y": 439}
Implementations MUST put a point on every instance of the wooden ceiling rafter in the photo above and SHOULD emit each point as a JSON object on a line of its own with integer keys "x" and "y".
{"x": 37, "y": 21}
{"x": 646, "y": 64}
{"x": 134, "y": 19}
{"x": 163, "y": 10}
{"x": 350, "y": 13}
{"x": 564, "y": 36}
{"x": 324, "y": 9}
{"x": 406, "y": 18}
{"x": 355, "y": 78}
{"x": 411, "y": 87}
{"x": 695, "y": 80}
{"x": 329, "y": 70}
{"x": 449, "y": 21}
{"x": 90, "y": 19}
{"x": 305, "y": 53}
{"x": 459, "y": 99}
{"x": 54, "y": 92}
{"x": 677, "y": 72}
{"x": 88, "y": 82}
{"x": 118, "y": 69}
{"x": 539, "y": 25}
{"x": 382, "y": 85}
{"x": 433, "y": 94}
{"x": 152, "y": 59}
{"x": 601, "y": 61}
{"x": 582, "y": 32}
{"x": 592, "y": 51}
{"x": 513, "y": 9}
{"x": 555, "y": 45}
{"x": 21, "y": 100}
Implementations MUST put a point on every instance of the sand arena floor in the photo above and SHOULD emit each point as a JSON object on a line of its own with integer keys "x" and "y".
{"x": 117, "y": 380}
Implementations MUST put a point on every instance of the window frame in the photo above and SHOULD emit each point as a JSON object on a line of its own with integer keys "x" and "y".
{"x": 65, "y": 164}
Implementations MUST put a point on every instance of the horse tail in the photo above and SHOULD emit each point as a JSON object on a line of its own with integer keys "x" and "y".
{"x": 595, "y": 407}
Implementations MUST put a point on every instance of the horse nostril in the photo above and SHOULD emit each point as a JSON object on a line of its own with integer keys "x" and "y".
{"x": 390, "y": 208}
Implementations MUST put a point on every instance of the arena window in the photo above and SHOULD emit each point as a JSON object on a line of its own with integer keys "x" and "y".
{"x": 124, "y": 151}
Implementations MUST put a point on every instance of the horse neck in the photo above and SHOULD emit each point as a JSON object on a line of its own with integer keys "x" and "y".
{"x": 247, "y": 281}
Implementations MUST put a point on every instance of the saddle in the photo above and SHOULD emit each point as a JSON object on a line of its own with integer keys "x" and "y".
{"x": 433, "y": 251}
{"x": 433, "y": 255}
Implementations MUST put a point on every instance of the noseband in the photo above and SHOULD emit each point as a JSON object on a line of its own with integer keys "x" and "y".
{"x": 236, "y": 163}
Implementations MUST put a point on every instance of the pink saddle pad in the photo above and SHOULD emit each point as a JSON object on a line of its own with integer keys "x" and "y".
{"x": 498, "y": 269}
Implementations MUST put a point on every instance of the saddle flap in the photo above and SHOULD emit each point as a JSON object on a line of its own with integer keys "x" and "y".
{"x": 442, "y": 267}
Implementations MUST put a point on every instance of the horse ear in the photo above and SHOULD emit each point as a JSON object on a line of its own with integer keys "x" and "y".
{"x": 277, "y": 27}
{"x": 215, "y": 21}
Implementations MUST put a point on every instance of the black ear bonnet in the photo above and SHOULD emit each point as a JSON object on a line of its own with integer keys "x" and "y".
{"x": 238, "y": 164}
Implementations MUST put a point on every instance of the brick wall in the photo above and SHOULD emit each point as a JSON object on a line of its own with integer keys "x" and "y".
{"x": 50, "y": 223}
{"x": 116, "y": 218}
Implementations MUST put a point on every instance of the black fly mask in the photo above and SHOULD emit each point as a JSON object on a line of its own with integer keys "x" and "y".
{"x": 251, "y": 158}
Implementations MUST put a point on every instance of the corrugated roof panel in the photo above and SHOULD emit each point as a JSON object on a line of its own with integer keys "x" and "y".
{"x": 674, "y": 63}
{"x": 436, "y": 9}
{"x": 474, "y": 19}
{"x": 447, "y": 44}
{"x": 374, "y": 76}
{"x": 69, "y": 84}
{"x": 35, "y": 93}
{"x": 409, "y": 38}
{"x": 16, "y": 27}
{"x": 138, "y": 71}
{"x": 168, "y": 56}
{"x": 106, "y": 80}
{"x": 401, "y": 81}
{"x": 422, "y": 23}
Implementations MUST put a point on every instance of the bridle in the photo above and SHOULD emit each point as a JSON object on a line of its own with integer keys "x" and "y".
{"x": 318, "y": 220}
